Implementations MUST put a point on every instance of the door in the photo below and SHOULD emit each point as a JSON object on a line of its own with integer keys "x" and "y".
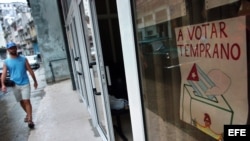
{"x": 77, "y": 62}
{"x": 96, "y": 71}
{"x": 72, "y": 56}
{"x": 78, "y": 59}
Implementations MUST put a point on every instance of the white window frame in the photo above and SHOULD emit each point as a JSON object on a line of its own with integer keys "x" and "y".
{"x": 131, "y": 70}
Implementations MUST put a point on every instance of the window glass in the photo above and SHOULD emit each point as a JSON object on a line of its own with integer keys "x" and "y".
{"x": 65, "y": 7}
{"x": 193, "y": 67}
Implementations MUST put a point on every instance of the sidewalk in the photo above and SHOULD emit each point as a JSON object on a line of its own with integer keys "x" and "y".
{"x": 62, "y": 117}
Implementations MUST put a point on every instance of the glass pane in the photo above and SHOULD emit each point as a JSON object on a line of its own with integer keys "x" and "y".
{"x": 88, "y": 32}
{"x": 189, "y": 55}
{"x": 87, "y": 46}
{"x": 69, "y": 2}
{"x": 91, "y": 50}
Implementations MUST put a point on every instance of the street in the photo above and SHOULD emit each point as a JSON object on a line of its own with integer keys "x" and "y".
{"x": 12, "y": 125}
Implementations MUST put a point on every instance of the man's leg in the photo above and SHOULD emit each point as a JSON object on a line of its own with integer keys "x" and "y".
{"x": 22, "y": 94}
{"x": 27, "y": 104}
{"x": 23, "y": 106}
{"x": 28, "y": 109}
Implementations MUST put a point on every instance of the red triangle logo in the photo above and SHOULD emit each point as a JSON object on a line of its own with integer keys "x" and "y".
{"x": 193, "y": 75}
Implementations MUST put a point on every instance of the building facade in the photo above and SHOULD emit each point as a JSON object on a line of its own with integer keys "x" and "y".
{"x": 17, "y": 26}
{"x": 50, "y": 39}
{"x": 182, "y": 65}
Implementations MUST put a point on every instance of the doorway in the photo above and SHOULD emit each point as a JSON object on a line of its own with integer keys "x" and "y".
{"x": 109, "y": 32}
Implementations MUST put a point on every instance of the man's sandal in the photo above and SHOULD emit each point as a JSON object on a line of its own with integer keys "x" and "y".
{"x": 31, "y": 124}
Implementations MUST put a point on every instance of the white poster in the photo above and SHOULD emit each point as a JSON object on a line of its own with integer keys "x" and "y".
{"x": 213, "y": 66}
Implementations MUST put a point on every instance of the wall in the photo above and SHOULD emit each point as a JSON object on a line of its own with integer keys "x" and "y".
{"x": 50, "y": 38}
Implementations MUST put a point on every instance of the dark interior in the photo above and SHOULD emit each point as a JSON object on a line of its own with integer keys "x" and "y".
{"x": 112, "y": 54}
{"x": 111, "y": 46}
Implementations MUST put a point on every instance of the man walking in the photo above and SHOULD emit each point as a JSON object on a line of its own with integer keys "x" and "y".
{"x": 18, "y": 65}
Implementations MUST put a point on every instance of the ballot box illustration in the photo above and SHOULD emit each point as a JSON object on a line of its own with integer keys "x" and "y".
{"x": 203, "y": 100}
